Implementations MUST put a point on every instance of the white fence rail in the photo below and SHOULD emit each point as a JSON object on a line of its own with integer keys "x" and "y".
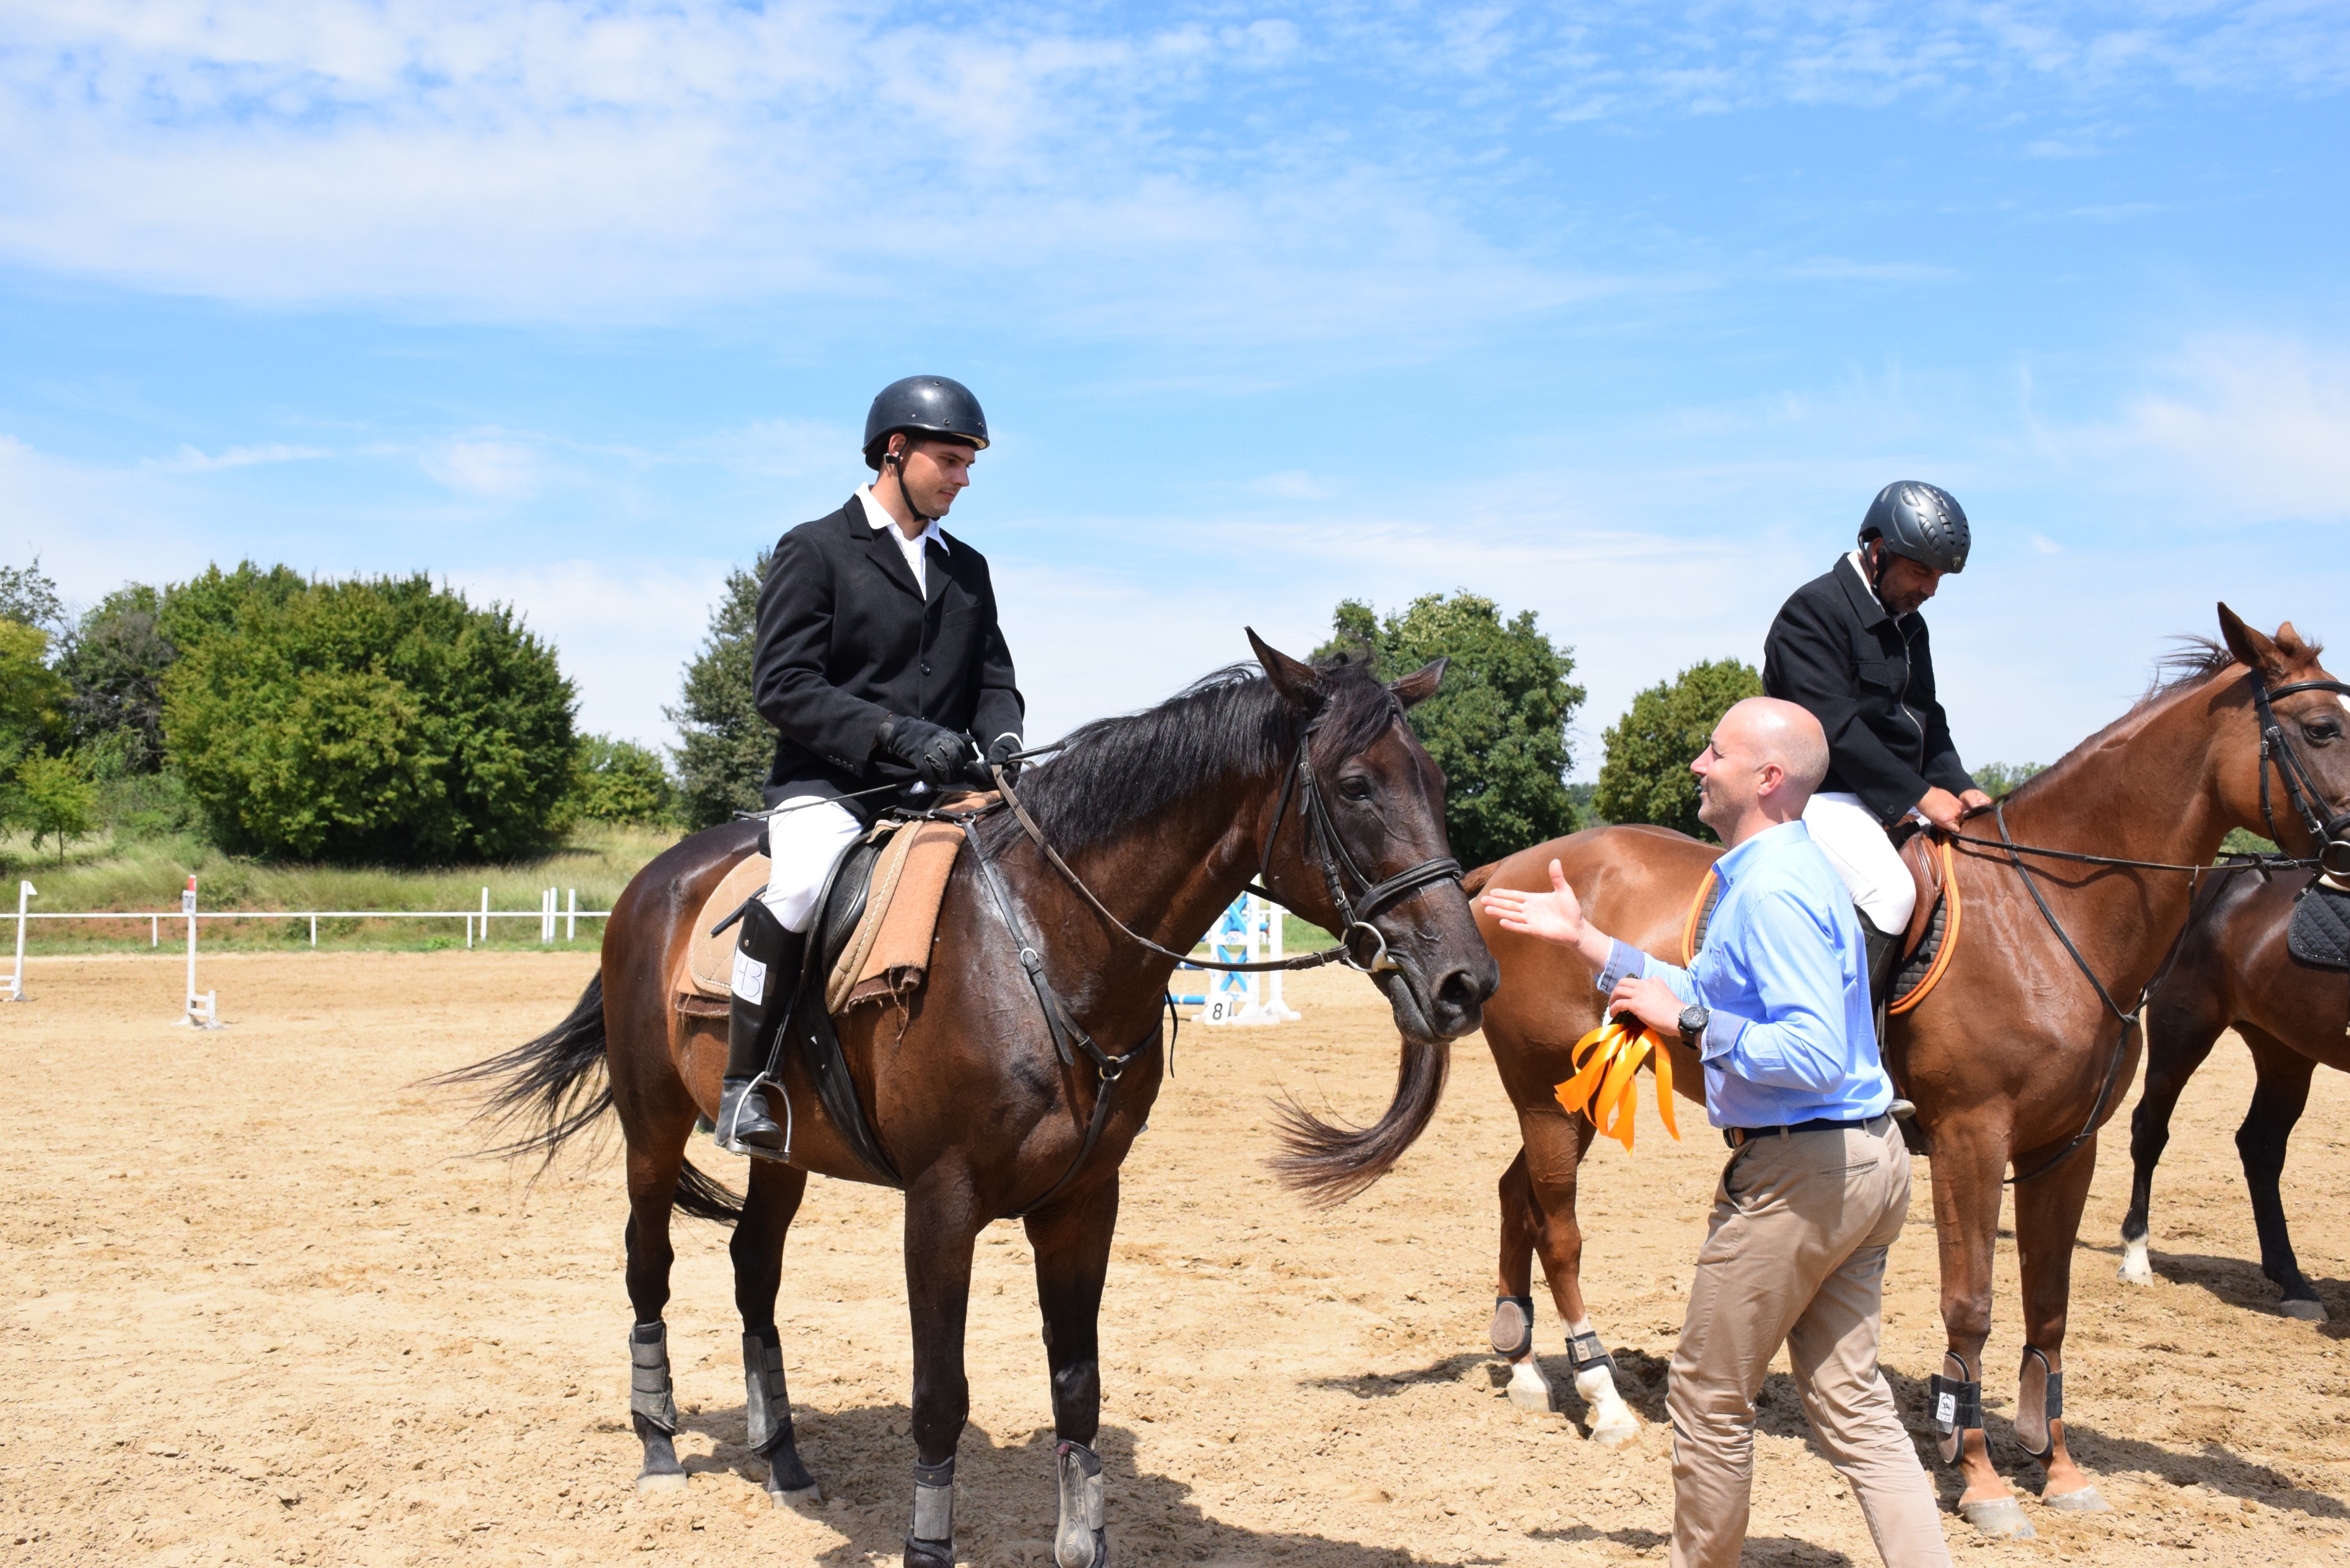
{"x": 553, "y": 913}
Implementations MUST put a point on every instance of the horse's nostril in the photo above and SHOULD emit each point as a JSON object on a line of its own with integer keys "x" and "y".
{"x": 1459, "y": 990}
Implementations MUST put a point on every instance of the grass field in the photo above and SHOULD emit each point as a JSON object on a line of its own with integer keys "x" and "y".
{"x": 139, "y": 877}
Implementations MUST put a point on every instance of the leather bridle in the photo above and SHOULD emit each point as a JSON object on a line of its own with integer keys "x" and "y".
{"x": 2331, "y": 834}
{"x": 1328, "y": 849}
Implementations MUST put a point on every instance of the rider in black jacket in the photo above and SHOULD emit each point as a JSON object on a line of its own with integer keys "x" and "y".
{"x": 1851, "y": 646}
{"x": 879, "y": 660}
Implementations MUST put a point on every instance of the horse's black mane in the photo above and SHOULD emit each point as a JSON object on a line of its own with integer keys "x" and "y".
{"x": 1115, "y": 773}
{"x": 2193, "y": 659}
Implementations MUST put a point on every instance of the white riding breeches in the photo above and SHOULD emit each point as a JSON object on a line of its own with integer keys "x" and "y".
{"x": 1852, "y": 838}
{"x": 804, "y": 841}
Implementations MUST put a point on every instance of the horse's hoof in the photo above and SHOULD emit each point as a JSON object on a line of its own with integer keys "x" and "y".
{"x": 2311, "y": 1310}
{"x": 2001, "y": 1517}
{"x": 809, "y": 1496}
{"x": 2085, "y": 1501}
{"x": 1529, "y": 1390}
{"x": 2136, "y": 1270}
{"x": 660, "y": 1480}
{"x": 1620, "y": 1430}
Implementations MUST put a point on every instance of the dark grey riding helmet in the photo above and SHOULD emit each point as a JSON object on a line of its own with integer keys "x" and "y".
{"x": 1923, "y": 522}
{"x": 931, "y": 405}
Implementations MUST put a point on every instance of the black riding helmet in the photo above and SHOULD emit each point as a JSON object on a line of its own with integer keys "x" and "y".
{"x": 1923, "y": 522}
{"x": 923, "y": 405}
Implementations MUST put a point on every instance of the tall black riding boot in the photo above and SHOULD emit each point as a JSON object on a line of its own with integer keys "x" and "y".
{"x": 766, "y": 971}
{"x": 1884, "y": 958}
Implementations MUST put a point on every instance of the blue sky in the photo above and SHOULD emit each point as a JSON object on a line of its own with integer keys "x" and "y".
{"x": 1619, "y": 312}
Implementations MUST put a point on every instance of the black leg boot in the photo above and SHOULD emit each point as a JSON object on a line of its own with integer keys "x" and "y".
{"x": 766, "y": 971}
{"x": 1884, "y": 957}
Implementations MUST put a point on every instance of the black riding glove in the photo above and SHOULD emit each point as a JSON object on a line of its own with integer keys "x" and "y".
{"x": 980, "y": 775}
{"x": 932, "y": 750}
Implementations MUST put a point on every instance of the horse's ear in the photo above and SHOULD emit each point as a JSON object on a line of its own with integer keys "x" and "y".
{"x": 1294, "y": 680}
{"x": 2292, "y": 647}
{"x": 2250, "y": 648}
{"x": 1421, "y": 685}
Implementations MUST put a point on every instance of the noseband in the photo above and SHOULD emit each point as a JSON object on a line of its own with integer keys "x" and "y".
{"x": 1328, "y": 850}
{"x": 2331, "y": 835}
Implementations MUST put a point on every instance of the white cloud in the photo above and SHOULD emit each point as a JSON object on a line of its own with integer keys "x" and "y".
{"x": 622, "y": 630}
{"x": 490, "y": 468}
{"x": 189, "y": 460}
{"x": 2251, "y": 429}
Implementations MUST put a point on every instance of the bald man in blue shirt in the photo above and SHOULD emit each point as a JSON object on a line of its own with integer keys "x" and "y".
{"x": 1777, "y": 1008}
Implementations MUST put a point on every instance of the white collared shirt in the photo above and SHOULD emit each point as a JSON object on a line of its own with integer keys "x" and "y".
{"x": 878, "y": 517}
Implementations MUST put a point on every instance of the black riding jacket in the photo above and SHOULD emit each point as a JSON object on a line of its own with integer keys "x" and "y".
{"x": 1868, "y": 678}
{"x": 846, "y": 640}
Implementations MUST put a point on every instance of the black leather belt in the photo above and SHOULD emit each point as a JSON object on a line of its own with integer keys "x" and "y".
{"x": 1738, "y": 1137}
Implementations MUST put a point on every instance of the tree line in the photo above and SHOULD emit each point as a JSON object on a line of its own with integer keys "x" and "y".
{"x": 386, "y": 721}
{"x": 381, "y": 720}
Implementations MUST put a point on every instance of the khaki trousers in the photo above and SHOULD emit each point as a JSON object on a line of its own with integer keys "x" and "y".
{"x": 1794, "y": 1254}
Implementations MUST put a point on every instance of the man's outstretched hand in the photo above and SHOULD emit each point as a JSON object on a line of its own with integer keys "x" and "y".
{"x": 1554, "y": 917}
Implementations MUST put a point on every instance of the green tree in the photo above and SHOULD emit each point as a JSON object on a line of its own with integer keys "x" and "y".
{"x": 383, "y": 721}
{"x": 27, "y": 595}
{"x": 620, "y": 781}
{"x": 724, "y": 748}
{"x": 1997, "y": 779}
{"x": 50, "y": 796}
{"x": 215, "y": 603}
{"x": 114, "y": 661}
{"x": 32, "y": 696}
{"x": 1498, "y": 726}
{"x": 1645, "y": 776}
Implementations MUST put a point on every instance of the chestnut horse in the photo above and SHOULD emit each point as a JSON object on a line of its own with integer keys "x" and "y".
{"x": 2234, "y": 972}
{"x": 1301, "y": 773}
{"x": 2014, "y": 1058}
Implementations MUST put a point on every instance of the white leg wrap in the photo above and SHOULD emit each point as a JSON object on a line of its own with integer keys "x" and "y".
{"x": 934, "y": 1512}
{"x": 2136, "y": 1270}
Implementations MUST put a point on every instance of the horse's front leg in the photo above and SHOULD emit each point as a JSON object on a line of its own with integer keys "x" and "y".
{"x": 1555, "y": 1144}
{"x": 2178, "y": 1037}
{"x": 1072, "y": 1245}
{"x": 940, "y": 1234}
{"x": 1968, "y": 1162}
{"x": 2047, "y": 1224}
{"x": 2279, "y": 1097}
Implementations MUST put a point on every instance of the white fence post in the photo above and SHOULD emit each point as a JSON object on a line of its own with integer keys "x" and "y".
{"x": 202, "y": 1011}
{"x": 486, "y": 916}
{"x": 17, "y": 981}
{"x": 314, "y": 931}
{"x": 571, "y": 917}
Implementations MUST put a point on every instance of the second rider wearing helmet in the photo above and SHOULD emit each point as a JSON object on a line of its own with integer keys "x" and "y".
{"x": 877, "y": 660}
{"x": 1851, "y": 646}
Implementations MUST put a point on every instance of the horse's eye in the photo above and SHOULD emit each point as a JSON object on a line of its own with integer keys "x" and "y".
{"x": 1355, "y": 788}
{"x": 2324, "y": 732}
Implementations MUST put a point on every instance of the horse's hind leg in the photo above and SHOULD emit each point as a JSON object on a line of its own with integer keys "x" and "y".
{"x": 757, "y": 1249}
{"x": 2179, "y": 1038}
{"x": 1072, "y": 1247}
{"x": 1555, "y": 1143}
{"x": 1512, "y": 1331}
{"x": 2278, "y": 1100}
{"x": 2047, "y": 1225}
{"x": 656, "y": 1156}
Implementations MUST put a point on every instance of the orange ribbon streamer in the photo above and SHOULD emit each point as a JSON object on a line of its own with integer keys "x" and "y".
{"x": 1605, "y": 1088}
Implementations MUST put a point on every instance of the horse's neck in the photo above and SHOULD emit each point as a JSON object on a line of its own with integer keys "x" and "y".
{"x": 2146, "y": 791}
{"x": 1170, "y": 877}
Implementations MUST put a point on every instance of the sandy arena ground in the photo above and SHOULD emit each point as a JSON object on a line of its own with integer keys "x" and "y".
{"x": 266, "y": 1309}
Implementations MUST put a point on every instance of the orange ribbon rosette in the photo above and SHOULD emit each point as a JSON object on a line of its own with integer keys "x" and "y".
{"x": 1604, "y": 1087}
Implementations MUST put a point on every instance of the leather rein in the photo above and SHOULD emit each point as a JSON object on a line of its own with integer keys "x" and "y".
{"x": 2332, "y": 837}
{"x": 1328, "y": 850}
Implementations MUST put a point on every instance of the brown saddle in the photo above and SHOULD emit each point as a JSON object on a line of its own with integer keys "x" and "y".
{"x": 875, "y": 931}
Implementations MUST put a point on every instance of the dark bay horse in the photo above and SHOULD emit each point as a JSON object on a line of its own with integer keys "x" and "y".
{"x": 2234, "y": 972}
{"x": 1308, "y": 773}
{"x": 2012, "y": 1059}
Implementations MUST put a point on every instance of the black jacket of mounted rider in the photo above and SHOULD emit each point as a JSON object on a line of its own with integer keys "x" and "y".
{"x": 1868, "y": 678}
{"x": 845, "y": 641}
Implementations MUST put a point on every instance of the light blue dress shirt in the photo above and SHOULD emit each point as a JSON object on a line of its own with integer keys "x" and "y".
{"x": 1792, "y": 1037}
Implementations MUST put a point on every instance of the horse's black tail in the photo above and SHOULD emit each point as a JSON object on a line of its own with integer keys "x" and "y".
{"x": 1330, "y": 1162}
{"x": 550, "y": 1090}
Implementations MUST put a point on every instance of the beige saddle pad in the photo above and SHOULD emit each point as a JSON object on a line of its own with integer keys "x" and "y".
{"x": 888, "y": 954}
